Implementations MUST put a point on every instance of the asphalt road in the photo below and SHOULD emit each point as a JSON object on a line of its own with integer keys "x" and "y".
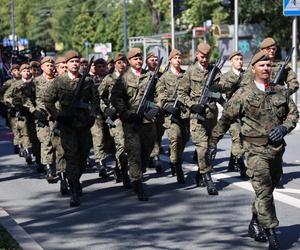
{"x": 175, "y": 217}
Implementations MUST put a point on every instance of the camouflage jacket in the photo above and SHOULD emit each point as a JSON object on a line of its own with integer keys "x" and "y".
{"x": 62, "y": 91}
{"x": 258, "y": 111}
{"x": 129, "y": 89}
{"x": 24, "y": 92}
{"x": 190, "y": 88}
{"x": 41, "y": 86}
{"x": 5, "y": 87}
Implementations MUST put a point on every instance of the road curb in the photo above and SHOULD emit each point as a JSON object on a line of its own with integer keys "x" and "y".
{"x": 25, "y": 241}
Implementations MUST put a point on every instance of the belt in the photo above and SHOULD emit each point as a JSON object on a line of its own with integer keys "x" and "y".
{"x": 257, "y": 140}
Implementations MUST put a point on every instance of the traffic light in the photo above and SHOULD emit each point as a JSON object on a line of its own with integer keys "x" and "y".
{"x": 227, "y": 4}
{"x": 179, "y": 6}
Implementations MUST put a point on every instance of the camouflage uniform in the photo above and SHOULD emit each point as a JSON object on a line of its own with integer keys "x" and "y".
{"x": 75, "y": 129}
{"x": 178, "y": 131}
{"x": 139, "y": 142}
{"x": 260, "y": 112}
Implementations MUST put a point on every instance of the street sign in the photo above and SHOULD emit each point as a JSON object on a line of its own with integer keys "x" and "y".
{"x": 291, "y": 7}
{"x": 103, "y": 48}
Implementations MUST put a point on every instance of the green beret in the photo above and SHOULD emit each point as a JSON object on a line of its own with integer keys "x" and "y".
{"x": 60, "y": 59}
{"x": 260, "y": 56}
{"x": 235, "y": 53}
{"x": 99, "y": 61}
{"x": 24, "y": 66}
{"x": 134, "y": 52}
{"x": 150, "y": 54}
{"x": 119, "y": 56}
{"x": 71, "y": 54}
{"x": 204, "y": 48}
{"x": 268, "y": 42}
{"x": 47, "y": 59}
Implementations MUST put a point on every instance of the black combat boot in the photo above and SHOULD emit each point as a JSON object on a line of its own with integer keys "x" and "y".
{"x": 75, "y": 196}
{"x": 16, "y": 149}
{"x": 40, "y": 168}
{"x": 199, "y": 179}
{"x": 231, "y": 164}
{"x": 102, "y": 169}
{"x": 117, "y": 173}
{"x": 255, "y": 231}
{"x": 211, "y": 189}
{"x": 157, "y": 164}
{"x": 63, "y": 183}
{"x": 49, "y": 173}
{"x": 21, "y": 151}
{"x": 241, "y": 166}
{"x": 124, "y": 170}
{"x": 139, "y": 189}
{"x": 179, "y": 173}
{"x": 27, "y": 155}
{"x": 195, "y": 156}
{"x": 173, "y": 170}
{"x": 272, "y": 238}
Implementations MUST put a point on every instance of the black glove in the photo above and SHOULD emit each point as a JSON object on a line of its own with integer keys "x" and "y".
{"x": 151, "y": 113}
{"x": 211, "y": 154}
{"x": 170, "y": 109}
{"x": 196, "y": 108}
{"x": 133, "y": 118}
{"x": 17, "y": 101}
{"x": 64, "y": 119}
{"x": 110, "y": 112}
{"x": 40, "y": 115}
{"x": 278, "y": 133}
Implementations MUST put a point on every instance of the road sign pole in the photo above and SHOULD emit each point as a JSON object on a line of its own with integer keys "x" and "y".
{"x": 172, "y": 24}
{"x": 295, "y": 56}
{"x": 125, "y": 27}
{"x": 236, "y": 25}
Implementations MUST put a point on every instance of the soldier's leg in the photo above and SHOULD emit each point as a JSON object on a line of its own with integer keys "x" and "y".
{"x": 16, "y": 140}
{"x": 97, "y": 131}
{"x": 133, "y": 149}
{"x": 147, "y": 139}
{"x": 25, "y": 140}
{"x": 36, "y": 146}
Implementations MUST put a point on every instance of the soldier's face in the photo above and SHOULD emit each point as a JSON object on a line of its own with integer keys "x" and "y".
{"x": 152, "y": 62}
{"x": 203, "y": 59}
{"x": 16, "y": 74}
{"x": 61, "y": 68}
{"x": 35, "y": 71}
{"x": 48, "y": 68}
{"x": 73, "y": 65}
{"x": 121, "y": 66}
{"x": 26, "y": 74}
{"x": 136, "y": 62}
{"x": 262, "y": 70}
{"x": 271, "y": 51}
{"x": 176, "y": 61}
{"x": 99, "y": 69}
{"x": 237, "y": 62}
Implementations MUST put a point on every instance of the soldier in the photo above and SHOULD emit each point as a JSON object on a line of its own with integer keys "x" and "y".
{"x": 139, "y": 135}
{"x": 151, "y": 62}
{"x": 176, "y": 121}
{"x": 113, "y": 119}
{"x": 99, "y": 130}
{"x": 74, "y": 122}
{"x": 21, "y": 96}
{"x": 43, "y": 124}
{"x": 190, "y": 89}
{"x": 110, "y": 65}
{"x": 61, "y": 65}
{"x": 268, "y": 45}
{"x": 83, "y": 64}
{"x": 15, "y": 72}
{"x": 35, "y": 68}
{"x": 231, "y": 81}
{"x": 267, "y": 114}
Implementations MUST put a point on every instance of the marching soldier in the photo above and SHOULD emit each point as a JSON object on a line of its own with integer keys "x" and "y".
{"x": 231, "y": 80}
{"x": 176, "y": 121}
{"x": 113, "y": 119}
{"x": 61, "y": 65}
{"x": 139, "y": 135}
{"x": 267, "y": 114}
{"x": 190, "y": 89}
{"x": 74, "y": 122}
{"x": 35, "y": 68}
{"x": 110, "y": 65}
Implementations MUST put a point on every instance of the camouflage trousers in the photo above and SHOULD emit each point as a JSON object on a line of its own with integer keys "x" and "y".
{"x": 159, "y": 131}
{"x": 22, "y": 130}
{"x": 44, "y": 136}
{"x": 36, "y": 146}
{"x": 236, "y": 143}
{"x": 59, "y": 154}
{"x": 178, "y": 135}
{"x": 200, "y": 135}
{"x": 139, "y": 143}
{"x": 264, "y": 167}
{"x": 117, "y": 134}
{"x": 76, "y": 144}
{"x": 13, "y": 121}
{"x": 101, "y": 139}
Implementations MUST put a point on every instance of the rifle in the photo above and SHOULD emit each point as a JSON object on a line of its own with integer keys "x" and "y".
{"x": 109, "y": 119}
{"x": 75, "y": 100}
{"x": 206, "y": 93}
{"x": 282, "y": 68}
{"x": 145, "y": 102}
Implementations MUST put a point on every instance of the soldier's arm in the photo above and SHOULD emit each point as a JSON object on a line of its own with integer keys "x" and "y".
{"x": 103, "y": 93}
{"x": 292, "y": 117}
{"x": 29, "y": 96}
{"x": 183, "y": 90}
{"x": 160, "y": 92}
{"x": 8, "y": 95}
{"x": 118, "y": 96}
{"x": 50, "y": 97}
{"x": 291, "y": 81}
{"x": 230, "y": 113}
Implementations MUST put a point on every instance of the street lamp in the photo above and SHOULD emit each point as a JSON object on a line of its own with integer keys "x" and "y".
{"x": 87, "y": 45}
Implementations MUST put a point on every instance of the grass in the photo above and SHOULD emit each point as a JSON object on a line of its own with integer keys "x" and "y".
{"x": 6, "y": 241}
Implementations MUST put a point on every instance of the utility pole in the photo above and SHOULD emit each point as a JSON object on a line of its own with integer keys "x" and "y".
{"x": 172, "y": 25}
{"x": 12, "y": 17}
{"x": 236, "y": 25}
{"x": 294, "y": 56}
{"x": 125, "y": 27}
